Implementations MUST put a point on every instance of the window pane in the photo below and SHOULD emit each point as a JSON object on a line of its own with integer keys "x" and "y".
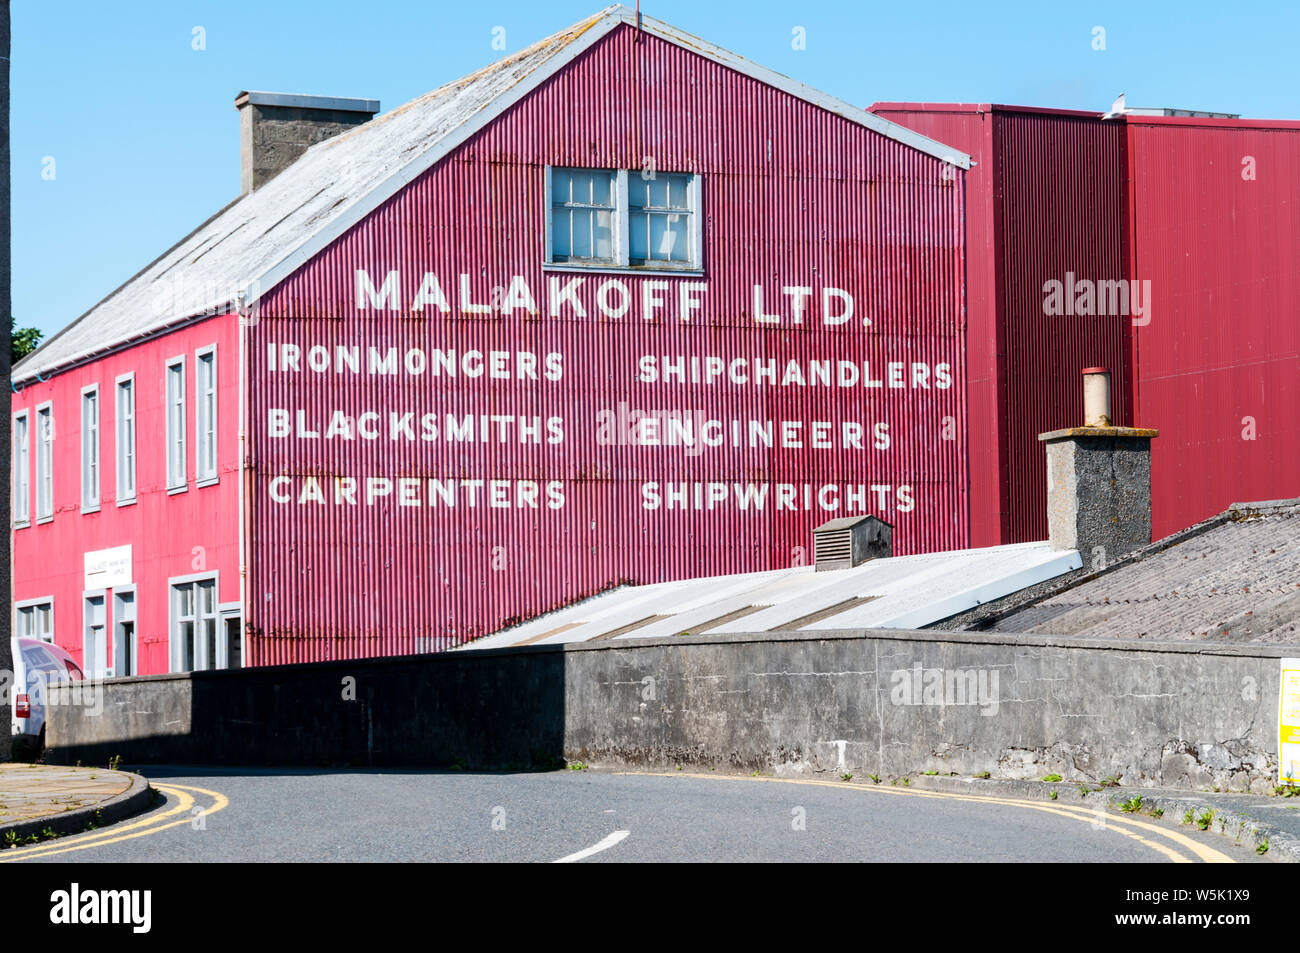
{"x": 210, "y": 642}
{"x": 89, "y": 449}
{"x": 603, "y": 226}
{"x": 44, "y": 463}
{"x": 125, "y": 660}
{"x": 125, "y": 440}
{"x": 561, "y": 185}
{"x": 660, "y": 239}
{"x": 638, "y": 190}
{"x": 234, "y": 653}
{"x": 209, "y": 597}
{"x": 659, "y": 191}
{"x": 22, "y": 464}
{"x": 638, "y": 235}
{"x": 582, "y": 234}
{"x": 560, "y": 224}
{"x": 185, "y": 600}
{"x": 673, "y": 246}
{"x": 176, "y": 425}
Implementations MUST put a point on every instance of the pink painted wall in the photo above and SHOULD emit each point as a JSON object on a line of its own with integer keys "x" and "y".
{"x": 792, "y": 195}
{"x": 172, "y": 535}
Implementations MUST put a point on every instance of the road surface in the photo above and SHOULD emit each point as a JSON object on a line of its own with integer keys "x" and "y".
{"x": 251, "y": 815}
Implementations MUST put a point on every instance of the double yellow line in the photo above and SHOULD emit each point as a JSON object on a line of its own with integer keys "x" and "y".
{"x": 160, "y": 820}
{"x": 1124, "y": 824}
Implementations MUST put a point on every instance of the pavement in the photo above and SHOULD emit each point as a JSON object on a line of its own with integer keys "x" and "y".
{"x": 46, "y": 798}
{"x": 268, "y": 815}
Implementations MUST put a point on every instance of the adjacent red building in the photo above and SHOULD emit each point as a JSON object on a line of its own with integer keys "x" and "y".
{"x": 1178, "y": 234}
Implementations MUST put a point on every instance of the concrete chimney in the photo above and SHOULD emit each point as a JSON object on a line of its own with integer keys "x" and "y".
{"x": 1098, "y": 481}
{"x": 850, "y": 541}
{"x": 276, "y": 128}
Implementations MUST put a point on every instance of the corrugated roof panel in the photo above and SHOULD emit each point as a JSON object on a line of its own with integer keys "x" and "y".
{"x": 902, "y": 592}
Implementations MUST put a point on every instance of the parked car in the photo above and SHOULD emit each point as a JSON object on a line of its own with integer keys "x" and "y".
{"x": 36, "y": 664}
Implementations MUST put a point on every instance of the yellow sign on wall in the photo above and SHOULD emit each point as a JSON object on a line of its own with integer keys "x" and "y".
{"x": 1288, "y": 724}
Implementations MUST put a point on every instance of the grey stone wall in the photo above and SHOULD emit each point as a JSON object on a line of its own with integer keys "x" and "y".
{"x": 882, "y": 702}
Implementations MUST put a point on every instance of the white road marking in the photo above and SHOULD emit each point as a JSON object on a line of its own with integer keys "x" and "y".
{"x": 605, "y": 844}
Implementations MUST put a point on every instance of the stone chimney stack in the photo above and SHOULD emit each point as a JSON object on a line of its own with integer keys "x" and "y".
{"x": 1099, "y": 481}
{"x": 276, "y": 128}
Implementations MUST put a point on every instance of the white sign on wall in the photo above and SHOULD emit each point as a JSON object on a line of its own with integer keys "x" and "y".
{"x": 108, "y": 568}
{"x": 1288, "y": 724}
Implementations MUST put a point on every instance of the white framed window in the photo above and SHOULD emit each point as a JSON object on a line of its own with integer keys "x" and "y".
{"x": 660, "y": 220}
{"x": 584, "y": 216}
{"x": 205, "y": 415}
{"x": 613, "y": 219}
{"x": 94, "y": 635}
{"x": 126, "y": 646}
{"x": 124, "y": 438}
{"x": 175, "y": 397}
{"x": 193, "y": 642}
{"x": 44, "y": 462}
{"x": 34, "y": 619}
{"x": 90, "y": 449}
{"x": 22, "y": 483}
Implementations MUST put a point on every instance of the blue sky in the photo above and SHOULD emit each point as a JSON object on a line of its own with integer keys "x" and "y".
{"x": 145, "y": 138}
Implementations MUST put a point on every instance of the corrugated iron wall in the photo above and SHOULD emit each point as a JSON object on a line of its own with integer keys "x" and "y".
{"x": 792, "y": 196}
{"x": 1058, "y": 182}
{"x": 1216, "y": 229}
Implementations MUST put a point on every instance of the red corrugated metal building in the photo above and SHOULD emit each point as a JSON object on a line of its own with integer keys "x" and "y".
{"x": 621, "y": 307}
{"x": 624, "y": 307}
{"x": 1198, "y": 215}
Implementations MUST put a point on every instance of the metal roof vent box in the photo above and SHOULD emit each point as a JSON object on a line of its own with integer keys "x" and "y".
{"x": 850, "y": 541}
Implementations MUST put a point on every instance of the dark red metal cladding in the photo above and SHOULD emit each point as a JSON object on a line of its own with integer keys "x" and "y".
{"x": 1059, "y": 181}
{"x": 1045, "y": 203}
{"x": 792, "y": 195}
{"x": 1216, "y": 231}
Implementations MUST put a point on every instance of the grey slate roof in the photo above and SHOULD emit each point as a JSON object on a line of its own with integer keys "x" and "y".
{"x": 1235, "y": 578}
